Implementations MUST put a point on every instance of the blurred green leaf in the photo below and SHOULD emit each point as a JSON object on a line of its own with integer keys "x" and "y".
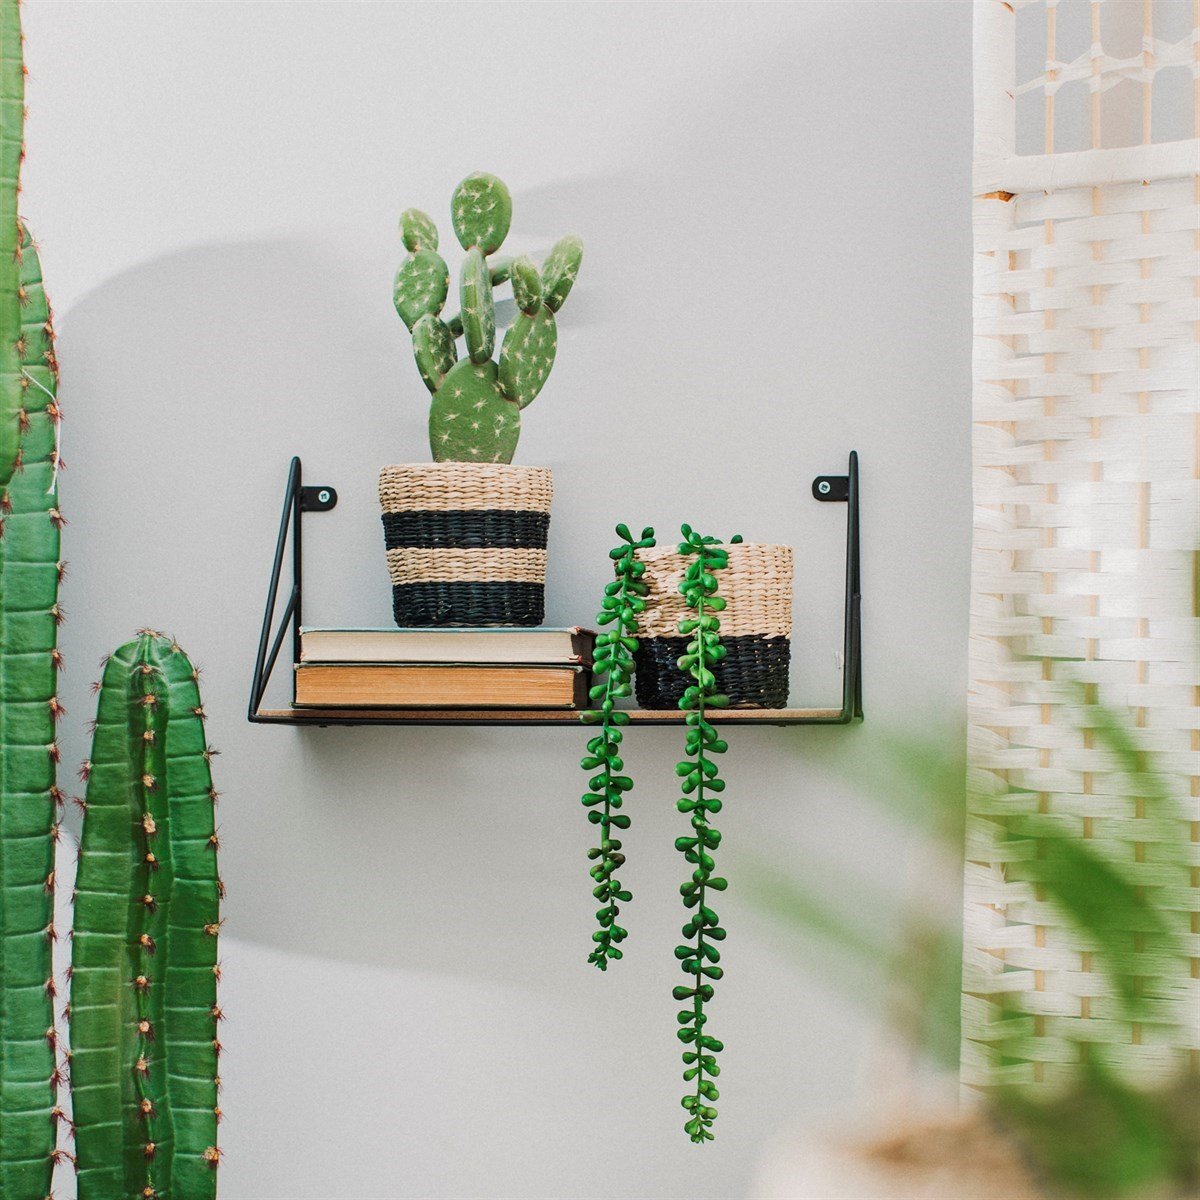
{"x": 1102, "y": 1139}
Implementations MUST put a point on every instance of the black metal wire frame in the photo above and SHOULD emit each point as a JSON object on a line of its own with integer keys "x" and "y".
{"x": 299, "y": 499}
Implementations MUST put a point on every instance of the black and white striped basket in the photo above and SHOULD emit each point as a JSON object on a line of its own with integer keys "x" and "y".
{"x": 756, "y": 627}
{"x": 466, "y": 542}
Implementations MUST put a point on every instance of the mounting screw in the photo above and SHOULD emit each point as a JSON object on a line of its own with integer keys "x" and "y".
{"x": 323, "y": 494}
{"x": 823, "y": 487}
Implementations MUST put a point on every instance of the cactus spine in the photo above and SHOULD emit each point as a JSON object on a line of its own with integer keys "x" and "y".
{"x": 475, "y": 415}
{"x": 147, "y": 912}
{"x": 29, "y": 662}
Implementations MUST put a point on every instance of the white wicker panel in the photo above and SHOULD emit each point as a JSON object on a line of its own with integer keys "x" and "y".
{"x": 1087, "y": 490}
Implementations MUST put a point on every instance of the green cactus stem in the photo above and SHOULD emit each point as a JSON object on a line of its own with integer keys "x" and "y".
{"x": 701, "y": 785}
{"x": 560, "y": 270}
{"x": 608, "y": 788}
{"x": 12, "y": 132}
{"x": 500, "y": 269}
{"x": 470, "y": 420}
{"x": 29, "y": 664}
{"x": 478, "y": 307}
{"x": 481, "y": 209}
{"x": 144, "y": 1011}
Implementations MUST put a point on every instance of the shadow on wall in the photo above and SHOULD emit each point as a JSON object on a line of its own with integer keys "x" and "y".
{"x": 190, "y": 380}
{"x": 330, "y": 837}
{"x": 397, "y": 849}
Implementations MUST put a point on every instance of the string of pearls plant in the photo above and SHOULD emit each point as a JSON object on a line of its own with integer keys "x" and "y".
{"x": 701, "y": 785}
{"x": 613, "y": 665}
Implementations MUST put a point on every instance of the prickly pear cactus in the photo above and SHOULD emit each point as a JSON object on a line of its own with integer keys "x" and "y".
{"x": 475, "y": 414}
{"x": 144, "y": 1012}
{"x": 29, "y": 664}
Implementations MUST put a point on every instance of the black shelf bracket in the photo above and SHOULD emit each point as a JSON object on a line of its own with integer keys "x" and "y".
{"x": 277, "y": 625}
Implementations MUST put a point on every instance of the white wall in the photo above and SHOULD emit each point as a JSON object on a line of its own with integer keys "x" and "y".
{"x": 775, "y": 204}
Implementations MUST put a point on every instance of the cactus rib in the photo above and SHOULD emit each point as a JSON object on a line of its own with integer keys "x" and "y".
{"x": 29, "y": 569}
{"x": 12, "y": 133}
{"x": 145, "y": 1079}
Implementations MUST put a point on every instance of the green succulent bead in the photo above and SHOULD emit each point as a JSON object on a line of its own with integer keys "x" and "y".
{"x": 481, "y": 209}
{"x": 422, "y": 284}
{"x": 478, "y": 307}
{"x": 434, "y": 350}
{"x": 560, "y": 269}
{"x": 469, "y": 418}
{"x": 527, "y": 285}
{"x": 418, "y": 231}
{"x": 613, "y": 666}
{"x": 527, "y": 355}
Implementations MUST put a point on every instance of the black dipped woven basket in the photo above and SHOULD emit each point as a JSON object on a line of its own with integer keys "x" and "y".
{"x": 756, "y": 627}
{"x": 466, "y": 542}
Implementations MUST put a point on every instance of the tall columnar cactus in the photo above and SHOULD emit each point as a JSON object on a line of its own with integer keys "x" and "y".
{"x": 29, "y": 663}
{"x": 476, "y": 411}
{"x": 144, "y": 1011}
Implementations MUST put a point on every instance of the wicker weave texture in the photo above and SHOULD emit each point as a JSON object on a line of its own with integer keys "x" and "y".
{"x": 466, "y": 542}
{"x": 753, "y": 673}
{"x": 1086, "y": 492}
{"x": 492, "y": 564}
{"x": 756, "y": 585}
{"x": 437, "y": 487}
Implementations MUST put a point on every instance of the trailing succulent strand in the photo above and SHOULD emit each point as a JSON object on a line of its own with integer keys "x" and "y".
{"x": 699, "y": 956}
{"x": 620, "y": 608}
{"x": 29, "y": 666}
{"x": 475, "y": 415}
{"x": 144, "y": 1010}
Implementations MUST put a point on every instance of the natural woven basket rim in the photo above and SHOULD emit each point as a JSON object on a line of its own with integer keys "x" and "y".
{"x": 465, "y": 486}
{"x": 757, "y": 588}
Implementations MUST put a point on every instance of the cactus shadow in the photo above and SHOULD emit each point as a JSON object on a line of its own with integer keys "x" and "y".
{"x": 392, "y": 847}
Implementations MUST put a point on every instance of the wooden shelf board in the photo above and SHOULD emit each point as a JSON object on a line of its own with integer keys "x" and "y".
{"x": 534, "y": 716}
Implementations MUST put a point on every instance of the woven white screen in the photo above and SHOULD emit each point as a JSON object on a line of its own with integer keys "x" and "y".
{"x": 1086, "y": 469}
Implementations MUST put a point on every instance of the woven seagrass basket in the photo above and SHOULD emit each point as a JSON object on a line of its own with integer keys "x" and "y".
{"x": 466, "y": 542}
{"x": 756, "y": 627}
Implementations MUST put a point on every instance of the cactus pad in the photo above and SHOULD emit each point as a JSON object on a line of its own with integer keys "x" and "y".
{"x": 526, "y": 285}
{"x": 478, "y": 307}
{"x": 527, "y": 355}
{"x": 418, "y": 231}
{"x": 470, "y": 420}
{"x": 560, "y": 269}
{"x": 422, "y": 284}
{"x": 481, "y": 209}
{"x": 434, "y": 350}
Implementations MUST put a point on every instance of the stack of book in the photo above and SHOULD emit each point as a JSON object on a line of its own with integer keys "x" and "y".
{"x": 444, "y": 668}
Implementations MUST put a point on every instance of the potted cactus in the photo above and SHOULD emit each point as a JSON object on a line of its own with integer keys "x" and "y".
{"x": 466, "y": 534}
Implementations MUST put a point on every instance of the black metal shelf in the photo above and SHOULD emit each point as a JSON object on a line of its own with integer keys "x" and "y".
{"x": 299, "y": 499}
